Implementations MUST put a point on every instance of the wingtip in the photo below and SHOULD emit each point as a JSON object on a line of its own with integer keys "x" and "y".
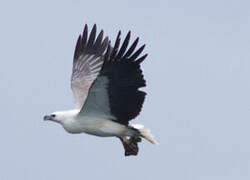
{"x": 85, "y": 28}
{"x": 141, "y": 59}
{"x": 94, "y": 27}
{"x": 119, "y": 33}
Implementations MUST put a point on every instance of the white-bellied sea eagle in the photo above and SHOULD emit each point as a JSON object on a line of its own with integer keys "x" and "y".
{"x": 105, "y": 81}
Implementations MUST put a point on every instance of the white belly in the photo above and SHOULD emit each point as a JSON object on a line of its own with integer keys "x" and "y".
{"x": 95, "y": 126}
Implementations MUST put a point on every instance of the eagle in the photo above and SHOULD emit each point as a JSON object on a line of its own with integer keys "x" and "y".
{"x": 106, "y": 82}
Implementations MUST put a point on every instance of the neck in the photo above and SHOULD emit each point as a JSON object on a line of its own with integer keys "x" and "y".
{"x": 68, "y": 120}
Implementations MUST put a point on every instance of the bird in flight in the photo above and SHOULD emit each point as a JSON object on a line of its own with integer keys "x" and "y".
{"x": 105, "y": 82}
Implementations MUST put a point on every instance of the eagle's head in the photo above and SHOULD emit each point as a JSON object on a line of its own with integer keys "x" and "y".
{"x": 60, "y": 116}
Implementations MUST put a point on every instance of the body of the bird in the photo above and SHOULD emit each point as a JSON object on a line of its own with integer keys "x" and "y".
{"x": 106, "y": 83}
{"x": 97, "y": 126}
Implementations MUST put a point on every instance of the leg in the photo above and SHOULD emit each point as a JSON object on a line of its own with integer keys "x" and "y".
{"x": 130, "y": 145}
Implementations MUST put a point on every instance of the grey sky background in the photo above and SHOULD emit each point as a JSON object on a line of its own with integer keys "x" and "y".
{"x": 198, "y": 103}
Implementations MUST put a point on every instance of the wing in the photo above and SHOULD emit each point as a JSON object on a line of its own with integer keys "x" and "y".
{"x": 115, "y": 93}
{"x": 88, "y": 60}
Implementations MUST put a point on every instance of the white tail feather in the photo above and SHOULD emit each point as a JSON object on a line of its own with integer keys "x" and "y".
{"x": 145, "y": 133}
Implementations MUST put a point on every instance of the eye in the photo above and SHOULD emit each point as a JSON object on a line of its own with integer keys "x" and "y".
{"x": 53, "y": 115}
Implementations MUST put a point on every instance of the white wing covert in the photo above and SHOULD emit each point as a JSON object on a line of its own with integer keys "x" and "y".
{"x": 87, "y": 63}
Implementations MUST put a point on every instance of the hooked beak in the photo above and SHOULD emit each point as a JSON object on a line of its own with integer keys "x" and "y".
{"x": 46, "y": 118}
{"x": 50, "y": 118}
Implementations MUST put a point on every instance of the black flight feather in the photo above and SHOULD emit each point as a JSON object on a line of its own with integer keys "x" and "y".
{"x": 89, "y": 45}
{"x": 124, "y": 79}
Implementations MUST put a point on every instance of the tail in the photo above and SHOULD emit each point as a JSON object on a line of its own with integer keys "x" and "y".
{"x": 145, "y": 133}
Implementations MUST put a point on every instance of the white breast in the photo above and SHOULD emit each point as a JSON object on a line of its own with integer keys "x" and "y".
{"x": 94, "y": 126}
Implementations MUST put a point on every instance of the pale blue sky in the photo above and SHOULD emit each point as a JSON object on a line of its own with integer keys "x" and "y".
{"x": 198, "y": 103}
